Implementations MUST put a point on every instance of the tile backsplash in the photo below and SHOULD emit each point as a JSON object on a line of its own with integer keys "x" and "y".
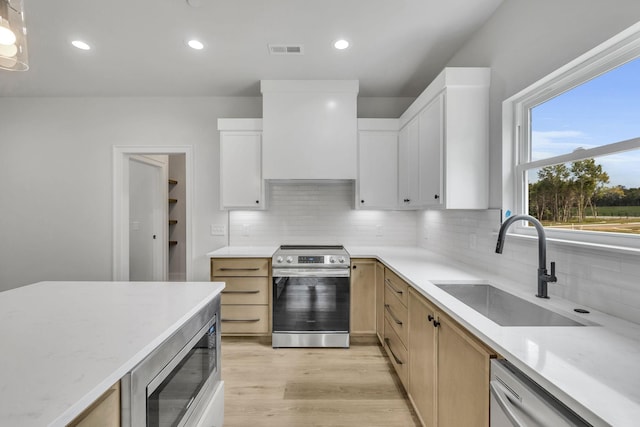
{"x": 603, "y": 280}
{"x": 317, "y": 212}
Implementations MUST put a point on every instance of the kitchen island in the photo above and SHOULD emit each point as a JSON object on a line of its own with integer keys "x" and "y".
{"x": 65, "y": 343}
{"x": 592, "y": 369}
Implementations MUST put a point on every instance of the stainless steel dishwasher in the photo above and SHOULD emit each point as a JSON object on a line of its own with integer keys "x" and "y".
{"x": 517, "y": 401}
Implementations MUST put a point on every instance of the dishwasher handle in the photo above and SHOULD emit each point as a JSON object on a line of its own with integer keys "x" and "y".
{"x": 500, "y": 393}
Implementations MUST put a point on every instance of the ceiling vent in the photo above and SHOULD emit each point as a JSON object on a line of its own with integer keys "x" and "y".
{"x": 286, "y": 49}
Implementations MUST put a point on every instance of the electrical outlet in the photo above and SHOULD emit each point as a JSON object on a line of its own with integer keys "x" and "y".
{"x": 218, "y": 230}
{"x": 473, "y": 240}
{"x": 379, "y": 230}
{"x": 245, "y": 230}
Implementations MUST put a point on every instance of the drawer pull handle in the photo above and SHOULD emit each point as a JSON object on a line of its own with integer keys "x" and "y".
{"x": 238, "y": 269}
{"x": 240, "y": 320}
{"x": 393, "y": 287}
{"x": 241, "y": 292}
{"x": 395, "y": 319}
{"x": 398, "y": 361}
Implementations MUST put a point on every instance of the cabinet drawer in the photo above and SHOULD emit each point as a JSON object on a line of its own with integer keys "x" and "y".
{"x": 245, "y": 319}
{"x": 244, "y": 290}
{"x": 396, "y": 314}
{"x": 397, "y": 352}
{"x": 397, "y": 285}
{"x": 225, "y": 267}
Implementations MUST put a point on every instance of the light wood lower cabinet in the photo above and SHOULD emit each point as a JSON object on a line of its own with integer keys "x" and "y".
{"x": 246, "y": 299}
{"x": 397, "y": 353}
{"x": 363, "y": 297}
{"x": 396, "y": 285}
{"x": 422, "y": 358}
{"x": 104, "y": 412}
{"x": 463, "y": 377}
{"x": 242, "y": 319}
{"x": 380, "y": 301}
{"x": 396, "y": 313}
{"x": 395, "y": 323}
{"x": 448, "y": 369}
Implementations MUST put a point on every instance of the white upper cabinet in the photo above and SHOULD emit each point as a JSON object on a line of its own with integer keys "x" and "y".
{"x": 241, "y": 184}
{"x": 409, "y": 165}
{"x": 310, "y": 129}
{"x": 431, "y": 140}
{"x": 377, "y": 185}
{"x": 451, "y": 121}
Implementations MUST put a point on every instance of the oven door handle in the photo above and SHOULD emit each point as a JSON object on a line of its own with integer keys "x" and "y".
{"x": 311, "y": 272}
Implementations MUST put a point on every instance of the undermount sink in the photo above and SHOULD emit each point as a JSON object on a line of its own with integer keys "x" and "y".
{"x": 504, "y": 308}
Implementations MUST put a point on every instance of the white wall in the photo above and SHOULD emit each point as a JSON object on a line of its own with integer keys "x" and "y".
{"x": 319, "y": 213}
{"x": 56, "y": 170}
{"x": 524, "y": 41}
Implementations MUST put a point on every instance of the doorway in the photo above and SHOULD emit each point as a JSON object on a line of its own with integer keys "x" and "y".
{"x": 169, "y": 254}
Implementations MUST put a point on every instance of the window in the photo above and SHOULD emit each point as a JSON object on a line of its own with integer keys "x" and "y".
{"x": 573, "y": 156}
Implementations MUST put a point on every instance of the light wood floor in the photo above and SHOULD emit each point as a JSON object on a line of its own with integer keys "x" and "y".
{"x": 311, "y": 387}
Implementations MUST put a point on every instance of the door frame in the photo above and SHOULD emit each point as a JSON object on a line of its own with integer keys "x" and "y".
{"x": 121, "y": 153}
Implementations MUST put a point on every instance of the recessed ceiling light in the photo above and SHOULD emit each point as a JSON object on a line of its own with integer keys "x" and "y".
{"x": 341, "y": 44}
{"x": 195, "y": 44}
{"x": 81, "y": 45}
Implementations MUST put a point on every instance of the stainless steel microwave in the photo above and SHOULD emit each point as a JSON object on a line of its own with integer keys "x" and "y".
{"x": 175, "y": 384}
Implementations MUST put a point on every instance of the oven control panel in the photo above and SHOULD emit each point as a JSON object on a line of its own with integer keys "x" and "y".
{"x": 311, "y": 259}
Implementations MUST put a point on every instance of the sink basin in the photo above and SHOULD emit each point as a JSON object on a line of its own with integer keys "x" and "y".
{"x": 504, "y": 308}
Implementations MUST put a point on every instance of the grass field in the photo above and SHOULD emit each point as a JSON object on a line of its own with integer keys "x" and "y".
{"x": 610, "y": 219}
{"x": 630, "y": 211}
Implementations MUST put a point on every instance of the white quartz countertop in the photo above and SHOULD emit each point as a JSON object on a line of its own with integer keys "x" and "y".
{"x": 243, "y": 252}
{"x": 595, "y": 370}
{"x": 63, "y": 344}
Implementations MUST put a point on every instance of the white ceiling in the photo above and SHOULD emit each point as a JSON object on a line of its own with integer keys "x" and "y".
{"x": 139, "y": 46}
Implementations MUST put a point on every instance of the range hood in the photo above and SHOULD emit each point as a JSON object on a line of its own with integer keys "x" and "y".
{"x": 310, "y": 129}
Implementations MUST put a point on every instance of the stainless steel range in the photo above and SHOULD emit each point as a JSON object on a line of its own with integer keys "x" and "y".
{"x": 311, "y": 292}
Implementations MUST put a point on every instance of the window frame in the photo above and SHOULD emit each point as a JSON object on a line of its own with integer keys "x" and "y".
{"x": 516, "y": 155}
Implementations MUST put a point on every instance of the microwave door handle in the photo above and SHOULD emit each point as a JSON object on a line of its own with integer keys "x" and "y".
{"x": 505, "y": 404}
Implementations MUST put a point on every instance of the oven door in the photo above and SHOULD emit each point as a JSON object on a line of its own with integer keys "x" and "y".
{"x": 310, "y": 303}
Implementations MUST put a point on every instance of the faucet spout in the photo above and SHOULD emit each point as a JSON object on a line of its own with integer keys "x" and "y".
{"x": 543, "y": 277}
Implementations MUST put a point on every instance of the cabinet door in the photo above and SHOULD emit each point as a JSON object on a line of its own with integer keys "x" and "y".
{"x": 377, "y": 169}
{"x": 380, "y": 301}
{"x": 422, "y": 358}
{"x": 240, "y": 170}
{"x": 409, "y": 164}
{"x": 104, "y": 412}
{"x": 363, "y": 297}
{"x": 431, "y": 141}
{"x": 463, "y": 377}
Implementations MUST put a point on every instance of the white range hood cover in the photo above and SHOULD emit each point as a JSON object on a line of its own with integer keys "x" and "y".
{"x": 310, "y": 129}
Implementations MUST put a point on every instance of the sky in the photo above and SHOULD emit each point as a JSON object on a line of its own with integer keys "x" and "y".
{"x": 573, "y": 119}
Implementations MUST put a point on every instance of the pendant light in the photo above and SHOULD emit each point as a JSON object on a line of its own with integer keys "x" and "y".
{"x": 13, "y": 36}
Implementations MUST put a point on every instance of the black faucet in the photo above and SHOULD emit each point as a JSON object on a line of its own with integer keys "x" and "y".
{"x": 543, "y": 277}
